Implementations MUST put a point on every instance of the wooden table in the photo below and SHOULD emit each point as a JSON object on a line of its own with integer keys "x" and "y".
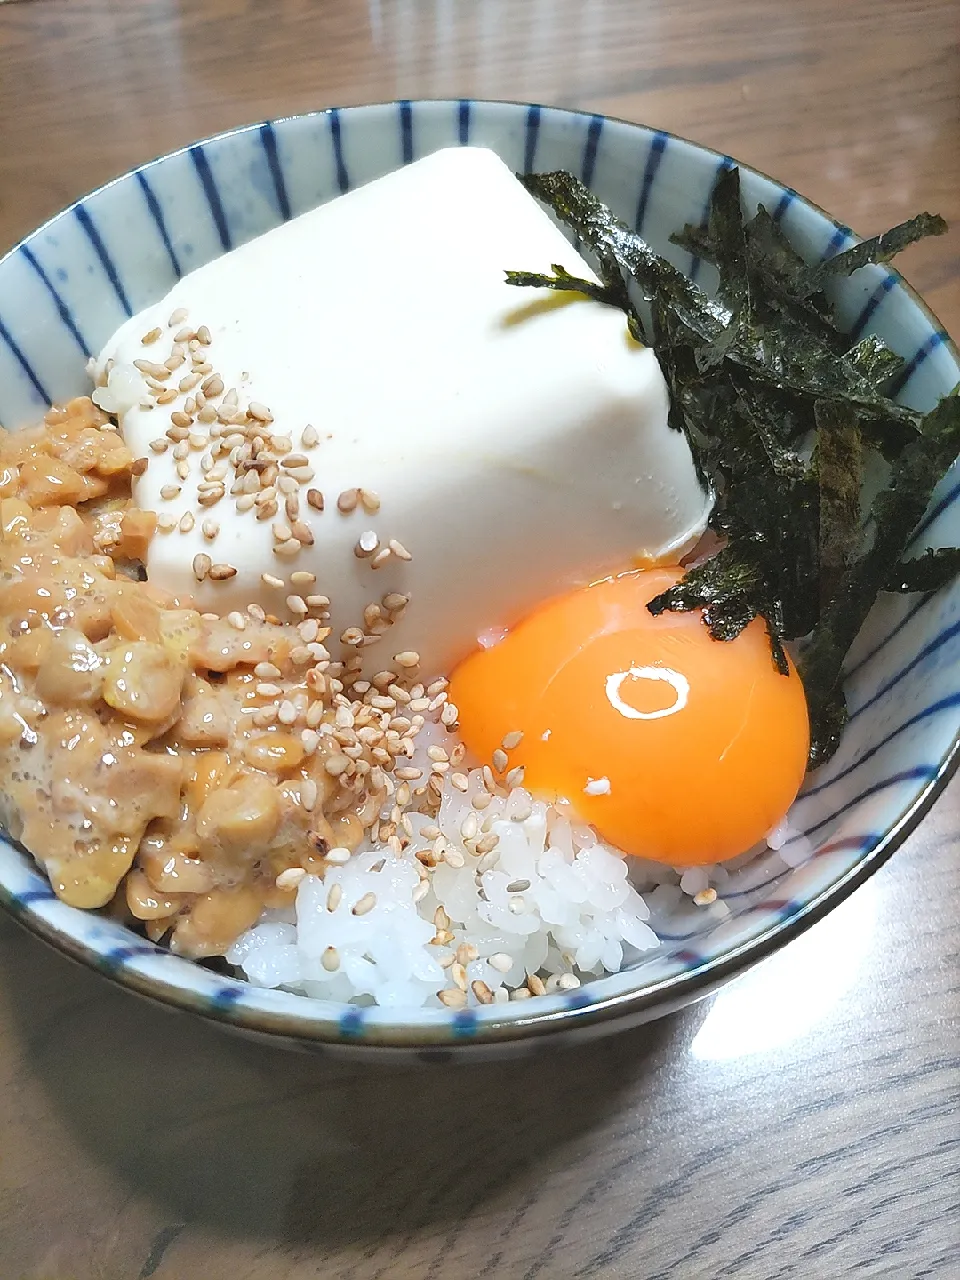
{"x": 801, "y": 1124}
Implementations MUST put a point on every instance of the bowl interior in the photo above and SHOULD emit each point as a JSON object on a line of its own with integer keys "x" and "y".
{"x": 65, "y": 290}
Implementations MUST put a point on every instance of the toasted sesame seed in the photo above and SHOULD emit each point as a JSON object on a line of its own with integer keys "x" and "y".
{"x": 267, "y": 690}
{"x": 394, "y": 601}
{"x": 381, "y": 558}
{"x": 568, "y": 982}
{"x": 500, "y": 961}
{"x": 237, "y": 620}
{"x": 203, "y": 336}
{"x": 287, "y": 712}
{"x": 290, "y": 878}
{"x": 535, "y": 985}
{"x": 187, "y": 522}
{"x": 281, "y": 444}
{"x": 330, "y": 959}
{"x": 515, "y": 777}
{"x": 166, "y": 523}
{"x": 139, "y": 466}
{"x": 315, "y": 499}
{"x": 201, "y": 566}
{"x": 452, "y": 997}
{"x": 336, "y": 765}
{"x": 302, "y": 532}
{"x": 207, "y": 414}
{"x": 366, "y": 544}
{"x": 221, "y": 572}
{"x": 188, "y": 383}
{"x": 408, "y": 658}
{"x": 352, "y": 635}
{"x": 499, "y": 760}
{"x": 512, "y": 740}
{"x": 210, "y": 529}
{"x": 293, "y": 461}
{"x": 297, "y": 604}
{"x": 287, "y": 549}
{"x": 309, "y": 437}
{"x": 369, "y": 500}
{"x": 267, "y": 511}
{"x": 259, "y": 411}
{"x": 269, "y": 580}
{"x": 212, "y": 386}
{"x": 338, "y": 856}
{"x": 482, "y": 992}
{"x": 177, "y": 317}
{"x": 347, "y": 501}
{"x": 303, "y": 578}
{"x": 174, "y": 361}
{"x": 160, "y": 445}
{"x": 336, "y": 892}
{"x": 706, "y": 897}
{"x": 399, "y": 550}
{"x": 365, "y": 904}
{"x": 183, "y": 469}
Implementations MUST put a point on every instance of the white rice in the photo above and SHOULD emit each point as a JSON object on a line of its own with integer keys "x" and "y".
{"x": 551, "y": 900}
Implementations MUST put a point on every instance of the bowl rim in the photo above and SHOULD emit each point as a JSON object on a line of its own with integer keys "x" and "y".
{"x": 672, "y": 991}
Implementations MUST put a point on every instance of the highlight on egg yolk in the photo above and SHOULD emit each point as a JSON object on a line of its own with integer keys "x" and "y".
{"x": 673, "y": 745}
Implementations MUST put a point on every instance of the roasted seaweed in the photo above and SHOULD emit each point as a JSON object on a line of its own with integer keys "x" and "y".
{"x": 782, "y": 411}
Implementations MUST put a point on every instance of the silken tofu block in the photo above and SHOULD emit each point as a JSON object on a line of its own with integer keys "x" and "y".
{"x": 510, "y": 443}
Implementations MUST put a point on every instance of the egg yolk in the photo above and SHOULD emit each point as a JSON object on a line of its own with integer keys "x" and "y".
{"x": 673, "y": 745}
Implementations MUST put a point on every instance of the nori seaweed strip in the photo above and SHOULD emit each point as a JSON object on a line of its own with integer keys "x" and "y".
{"x": 877, "y": 249}
{"x": 751, "y": 374}
{"x": 838, "y": 467}
{"x": 897, "y": 511}
{"x": 928, "y": 572}
{"x": 872, "y": 358}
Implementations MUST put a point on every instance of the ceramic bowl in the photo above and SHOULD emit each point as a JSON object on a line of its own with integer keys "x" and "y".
{"x": 66, "y": 288}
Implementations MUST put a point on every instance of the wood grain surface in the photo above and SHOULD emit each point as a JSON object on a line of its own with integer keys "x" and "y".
{"x": 804, "y": 1122}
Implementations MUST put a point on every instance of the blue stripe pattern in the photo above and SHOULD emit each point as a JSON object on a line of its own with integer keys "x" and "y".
{"x": 866, "y": 315}
{"x": 919, "y": 773}
{"x": 531, "y": 134}
{"x": 24, "y": 364}
{"x": 590, "y": 150}
{"x": 783, "y": 204}
{"x": 406, "y": 131}
{"x": 153, "y": 204}
{"x": 923, "y": 352}
{"x": 205, "y": 174}
{"x": 658, "y": 145}
{"x": 938, "y": 641}
{"x": 268, "y": 140}
{"x": 724, "y": 164}
{"x": 343, "y": 178}
{"x": 950, "y": 703}
{"x": 66, "y": 315}
{"x": 837, "y": 241}
{"x": 109, "y": 267}
{"x": 901, "y": 732}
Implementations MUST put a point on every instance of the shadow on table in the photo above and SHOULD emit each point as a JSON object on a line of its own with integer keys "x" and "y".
{"x": 250, "y": 1140}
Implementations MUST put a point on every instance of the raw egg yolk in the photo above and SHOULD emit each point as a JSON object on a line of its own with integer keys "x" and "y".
{"x": 673, "y": 745}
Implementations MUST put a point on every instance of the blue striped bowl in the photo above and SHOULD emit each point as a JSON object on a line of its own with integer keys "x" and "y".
{"x": 67, "y": 287}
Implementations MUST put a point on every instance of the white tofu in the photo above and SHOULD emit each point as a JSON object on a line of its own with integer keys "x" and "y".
{"x": 517, "y": 440}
